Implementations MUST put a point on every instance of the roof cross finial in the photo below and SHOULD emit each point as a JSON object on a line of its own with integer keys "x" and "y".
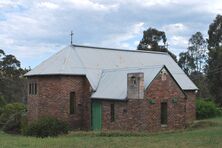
{"x": 71, "y": 34}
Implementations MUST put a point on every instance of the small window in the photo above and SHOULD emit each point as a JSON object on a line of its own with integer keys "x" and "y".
{"x": 30, "y": 88}
{"x": 164, "y": 77}
{"x": 112, "y": 113}
{"x": 72, "y": 103}
{"x": 133, "y": 80}
{"x": 163, "y": 74}
{"x": 33, "y": 88}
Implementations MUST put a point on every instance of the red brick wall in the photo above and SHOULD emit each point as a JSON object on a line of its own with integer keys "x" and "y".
{"x": 52, "y": 99}
{"x": 190, "y": 107}
{"x": 140, "y": 114}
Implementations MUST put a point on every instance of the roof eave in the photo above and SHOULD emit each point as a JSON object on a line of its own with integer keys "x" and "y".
{"x": 109, "y": 99}
{"x": 53, "y": 74}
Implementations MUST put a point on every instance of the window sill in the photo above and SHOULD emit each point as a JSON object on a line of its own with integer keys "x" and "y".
{"x": 32, "y": 95}
{"x": 164, "y": 125}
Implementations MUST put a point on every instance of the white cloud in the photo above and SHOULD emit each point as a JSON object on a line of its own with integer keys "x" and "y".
{"x": 31, "y": 52}
{"x": 8, "y": 3}
{"x": 87, "y": 4}
{"x": 178, "y": 41}
{"x": 136, "y": 43}
{"x": 36, "y": 54}
{"x": 150, "y": 3}
{"x": 214, "y": 7}
{"x": 5, "y": 40}
{"x": 211, "y": 6}
{"x": 22, "y": 26}
{"x": 175, "y": 28}
{"x": 32, "y": 29}
{"x": 48, "y": 5}
{"x": 120, "y": 40}
{"x": 177, "y": 44}
{"x": 131, "y": 32}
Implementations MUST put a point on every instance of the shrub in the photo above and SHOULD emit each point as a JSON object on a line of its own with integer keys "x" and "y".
{"x": 206, "y": 109}
{"x": 24, "y": 124}
{"x": 14, "y": 107}
{"x": 47, "y": 126}
{"x": 2, "y": 101}
{"x": 9, "y": 111}
{"x": 14, "y": 123}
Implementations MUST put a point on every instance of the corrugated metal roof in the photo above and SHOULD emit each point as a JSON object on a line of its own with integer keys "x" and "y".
{"x": 113, "y": 83}
{"x": 65, "y": 61}
{"x": 91, "y": 61}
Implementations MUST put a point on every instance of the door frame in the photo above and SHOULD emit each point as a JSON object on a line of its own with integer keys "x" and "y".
{"x": 164, "y": 113}
{"x": 92, "y": 120}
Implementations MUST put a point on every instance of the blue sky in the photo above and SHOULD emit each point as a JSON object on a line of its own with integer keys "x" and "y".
{"x": 34, "y": 30}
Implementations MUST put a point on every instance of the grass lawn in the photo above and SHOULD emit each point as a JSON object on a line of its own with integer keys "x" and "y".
{"x": 207, "y": 133}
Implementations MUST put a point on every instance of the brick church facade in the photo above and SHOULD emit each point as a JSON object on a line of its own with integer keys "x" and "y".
{"x": 99, "y": 89}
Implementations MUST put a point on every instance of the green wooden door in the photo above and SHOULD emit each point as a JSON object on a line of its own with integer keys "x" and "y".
{"x": 96, "y": 115}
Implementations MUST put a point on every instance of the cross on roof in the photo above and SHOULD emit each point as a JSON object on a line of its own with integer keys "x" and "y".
{"x": 71, "y": 34}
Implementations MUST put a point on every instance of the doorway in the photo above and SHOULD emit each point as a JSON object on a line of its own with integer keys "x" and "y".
{"x": 96, "y": 115}
{"x": 163, "y": 119}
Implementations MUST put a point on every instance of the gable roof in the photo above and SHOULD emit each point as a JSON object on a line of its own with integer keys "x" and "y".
{"x": 92, "y": 61}
{"x": 113, "y": 83}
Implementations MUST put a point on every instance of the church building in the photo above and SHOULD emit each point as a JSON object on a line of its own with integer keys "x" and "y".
{"x": 94, "y": 88}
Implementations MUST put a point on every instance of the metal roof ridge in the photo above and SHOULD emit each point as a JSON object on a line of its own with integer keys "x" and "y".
{"x": 117, "y": 49}
{"x": 131, "y": 68}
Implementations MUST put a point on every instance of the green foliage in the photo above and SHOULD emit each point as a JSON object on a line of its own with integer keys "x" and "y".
{"x": 215, "y": 33}
{"x": 13, "y": 89}
{"x": 194, "y": 59}
{"x": 14, "y": 123}
{"x": 202, "y": 83}
{"x": 214, "y": 68}
{"x": 151, "y": 41}
{"x": 186, "y": 62}
{"x": 47, "y": 126}
{"x": 206, "y": 109}
{"x": 23, "y": 124}
{"x": 197, "y": 51}
{"x": 9, "y": 112}
{"x": 13, "y": 85}
{"x": 10, "y": 65}
{"x": 12, "y": 108}
{"x": 2, "y": 52}
{"x": 2, "y": 102}
{"x": 193, "y": 62}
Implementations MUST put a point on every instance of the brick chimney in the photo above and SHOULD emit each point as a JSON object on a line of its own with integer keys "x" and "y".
{"x": 135, "y": 85}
